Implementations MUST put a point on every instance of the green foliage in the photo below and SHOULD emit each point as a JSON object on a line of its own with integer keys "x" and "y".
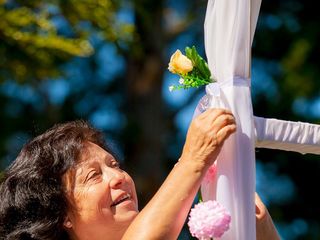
{"x": 31, "y": 45}
{"x": 300, "y": 77}
{"x": 101, "y": 14}
{"x": 200, "y": 65}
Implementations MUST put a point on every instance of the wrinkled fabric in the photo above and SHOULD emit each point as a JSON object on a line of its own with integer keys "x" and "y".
{"x": 286, "y": 135}
{"x": 229, "y": 30}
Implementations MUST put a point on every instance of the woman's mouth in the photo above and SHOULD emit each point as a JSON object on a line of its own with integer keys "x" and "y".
{"x": 121, "y": 199}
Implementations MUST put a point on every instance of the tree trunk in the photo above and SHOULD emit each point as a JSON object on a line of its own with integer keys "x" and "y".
{"x": 145, "y": 132}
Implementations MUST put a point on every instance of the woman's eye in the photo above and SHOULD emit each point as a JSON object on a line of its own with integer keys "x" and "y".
{"x": 92, "y": 175}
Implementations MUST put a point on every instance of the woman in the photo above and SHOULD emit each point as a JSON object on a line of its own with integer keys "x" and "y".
{"x": 66, "y": 184}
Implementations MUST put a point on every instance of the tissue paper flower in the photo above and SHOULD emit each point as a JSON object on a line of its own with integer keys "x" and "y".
{"x": 208, "y": 220}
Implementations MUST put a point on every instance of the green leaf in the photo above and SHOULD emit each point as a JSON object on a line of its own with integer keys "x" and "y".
{"x": 198, "y": 62}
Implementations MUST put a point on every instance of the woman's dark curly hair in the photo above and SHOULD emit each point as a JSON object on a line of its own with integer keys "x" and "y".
{"x": 33, "y": 201}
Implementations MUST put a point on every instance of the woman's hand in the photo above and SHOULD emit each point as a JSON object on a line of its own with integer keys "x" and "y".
{"x": 264, "y": 224}
{"x": 206, "y": 135}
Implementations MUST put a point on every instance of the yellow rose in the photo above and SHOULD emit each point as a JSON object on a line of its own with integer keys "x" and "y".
{"x": 179, "y": 63}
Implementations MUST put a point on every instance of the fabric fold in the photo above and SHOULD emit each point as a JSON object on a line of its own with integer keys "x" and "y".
{"x": 229, "y": 30}
{"x": 287, "y": 135}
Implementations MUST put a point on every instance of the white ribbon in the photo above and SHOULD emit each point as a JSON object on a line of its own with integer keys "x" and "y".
{"x": 213, "y": 93}
{"x": 213, "y": 89}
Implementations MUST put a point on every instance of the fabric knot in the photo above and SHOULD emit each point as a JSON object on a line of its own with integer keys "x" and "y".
{"x": 213, "y": 89}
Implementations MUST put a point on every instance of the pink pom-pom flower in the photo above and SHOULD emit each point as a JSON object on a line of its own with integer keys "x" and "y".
{"x": 208, "y": 220}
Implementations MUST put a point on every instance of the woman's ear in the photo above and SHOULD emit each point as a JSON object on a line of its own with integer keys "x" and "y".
{"x": 67, "y": 223}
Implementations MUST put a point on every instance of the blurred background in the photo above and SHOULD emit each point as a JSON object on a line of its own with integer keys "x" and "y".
{"x": 106, "y": 61}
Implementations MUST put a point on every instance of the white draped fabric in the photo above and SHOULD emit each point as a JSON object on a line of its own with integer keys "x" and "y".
{"x": 289, "y": 136}
{"x": 229, "y": 30}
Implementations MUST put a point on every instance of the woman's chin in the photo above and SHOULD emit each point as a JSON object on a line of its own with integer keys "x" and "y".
{"x": 124, "y": 212}
{"x": 126, "y": 219}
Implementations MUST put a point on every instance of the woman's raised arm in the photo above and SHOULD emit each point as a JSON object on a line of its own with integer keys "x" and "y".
{"x": 164, "y": 216}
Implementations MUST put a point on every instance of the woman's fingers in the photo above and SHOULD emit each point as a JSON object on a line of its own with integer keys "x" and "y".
{"x": 224, "y": 125}
{"x": 213, "y": 120}
{"x": 222, "y": 121}
{"x": 225, "y": 132}
{"x": 207, "y": 133}
{"x": 213, "y": 113}
{"x": 217, "y": 124}
{"x": 265, "y": 228}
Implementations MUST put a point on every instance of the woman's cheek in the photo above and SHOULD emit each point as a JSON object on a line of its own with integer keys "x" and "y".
{"x": 85, "y": 196}
{"x": 80, "y": 197}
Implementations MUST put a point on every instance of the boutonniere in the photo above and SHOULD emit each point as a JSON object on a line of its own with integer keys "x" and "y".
{"x": 192, "y": 69}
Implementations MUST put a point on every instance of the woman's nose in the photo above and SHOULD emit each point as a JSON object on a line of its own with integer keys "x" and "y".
{"x": 117, "y": 178}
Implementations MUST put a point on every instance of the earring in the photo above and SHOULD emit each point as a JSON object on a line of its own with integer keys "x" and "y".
{"x": 67, "y": 224}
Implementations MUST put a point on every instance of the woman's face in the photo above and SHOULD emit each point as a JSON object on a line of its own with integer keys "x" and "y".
{"x": 104, "y": 197}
